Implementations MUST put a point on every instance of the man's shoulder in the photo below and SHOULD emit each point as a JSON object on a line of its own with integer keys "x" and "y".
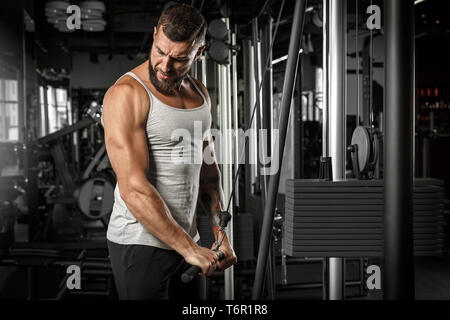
{"x": 202, "y": 87}
{"x": 127, "y": 88}
{"x": 127, "y": 97}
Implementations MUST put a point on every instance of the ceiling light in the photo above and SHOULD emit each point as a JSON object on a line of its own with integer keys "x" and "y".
{"x": 56, "y": 6}
{"x": 91, "y": 13}
{"x": 93, "y": 25}
{"x": 92, "y": 16}
{"x": 93, "y": 5}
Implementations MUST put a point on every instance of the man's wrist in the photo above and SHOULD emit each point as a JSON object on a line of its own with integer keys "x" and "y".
{"x": 185, "y": 247}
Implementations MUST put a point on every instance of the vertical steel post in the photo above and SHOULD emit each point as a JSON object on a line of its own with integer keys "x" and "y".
{"x": 398, "y": 275}
{"x": 337, "y": 122}
{"x": 325, "y": 79}
{"x": 288, "y": 89}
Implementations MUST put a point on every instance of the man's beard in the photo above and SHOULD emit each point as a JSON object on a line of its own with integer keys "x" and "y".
{"x": 166, "y": 87}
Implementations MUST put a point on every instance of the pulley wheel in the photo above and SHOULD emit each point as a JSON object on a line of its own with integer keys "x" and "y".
{"x": 361, "y": 138}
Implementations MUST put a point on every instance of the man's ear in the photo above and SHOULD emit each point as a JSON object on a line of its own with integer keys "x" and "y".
{"x": 155, "y": 31}
{"x": 199, "y": 51}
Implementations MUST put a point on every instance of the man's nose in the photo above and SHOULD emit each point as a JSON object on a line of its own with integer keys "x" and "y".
{"x": 166, "y": 65}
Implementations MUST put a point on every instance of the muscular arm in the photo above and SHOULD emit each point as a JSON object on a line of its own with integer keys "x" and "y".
{"x": 211, "y": 194}
{"x": 212, "y": 199}
{"x": 124, "y": 116}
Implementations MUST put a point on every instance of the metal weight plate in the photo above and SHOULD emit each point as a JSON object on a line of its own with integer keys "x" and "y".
{"x": 217, "y": 29}
{"x": 96, "y": 198}
{"x": 218, "y": 51}
{"x": 361, "y": 138}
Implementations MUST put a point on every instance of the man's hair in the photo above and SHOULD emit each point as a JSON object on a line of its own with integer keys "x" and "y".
{"x": 182, "y": 22}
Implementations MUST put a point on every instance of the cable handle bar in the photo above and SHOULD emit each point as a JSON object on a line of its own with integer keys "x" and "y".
{"x": 192, "y": 272}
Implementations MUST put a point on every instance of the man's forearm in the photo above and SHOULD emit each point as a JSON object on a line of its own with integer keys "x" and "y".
{"x": 150, "y": 210}
{"x": 211, "y": 195}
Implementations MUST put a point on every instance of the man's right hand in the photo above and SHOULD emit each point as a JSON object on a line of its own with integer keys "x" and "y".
{"x": 203, "y": 258}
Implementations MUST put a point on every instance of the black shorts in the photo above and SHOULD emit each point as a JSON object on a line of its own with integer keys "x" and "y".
{"x": 150, "y": 273}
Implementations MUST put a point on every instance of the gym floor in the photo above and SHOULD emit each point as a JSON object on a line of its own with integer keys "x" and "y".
{"x": 432, "y": 276}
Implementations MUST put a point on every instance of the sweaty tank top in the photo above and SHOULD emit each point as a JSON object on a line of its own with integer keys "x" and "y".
{"x": 175, "y": 148}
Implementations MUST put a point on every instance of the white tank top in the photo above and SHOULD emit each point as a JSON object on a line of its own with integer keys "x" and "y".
{"x": 175, "y": 145}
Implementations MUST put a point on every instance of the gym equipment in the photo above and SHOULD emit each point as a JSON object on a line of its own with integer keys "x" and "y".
{"x": 218, "y": 51}
{"x": 243, "y": 243}
{"x": 346, "y": 218}
{"x": 91, "y": 256}
{"x": 93, "y": 196}
{"x": 217, "y": 29}
{"x": 365, "y": 149}
{"x": 269, "y": 210}
{"x": 11, "y": 187}
{"x": 7, "y": 218}
{"x": 226, "y": 117}
{"x": 399, "y": 262}
{"x": 219, "y": 48}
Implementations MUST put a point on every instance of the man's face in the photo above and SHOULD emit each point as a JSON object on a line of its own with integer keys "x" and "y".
{"x": 170, "y": 62}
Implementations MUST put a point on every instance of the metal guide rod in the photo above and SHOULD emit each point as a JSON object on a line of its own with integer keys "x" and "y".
{"x": 357, "y": 62}
{"x": 235, "y": 116}
{"x": 257, "y": 66}
{"x": 337, "y": 122}
{"x": 249, "y": 149}
{"x": 398, "y": 271}
{"x": 260, "y": 116}
{"x": 227, "y": 172}
{"x": 22, "y": 89}
{"x": 266, "y": 109}
{"x": 288, "y": 88}
{"x": 325, "y": 80}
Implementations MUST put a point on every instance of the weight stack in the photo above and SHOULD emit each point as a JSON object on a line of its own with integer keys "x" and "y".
{"x": 346, "y": 218}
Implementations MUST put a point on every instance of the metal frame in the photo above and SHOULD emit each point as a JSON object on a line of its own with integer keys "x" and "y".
{"x": 398, "y": 271}
{"x": 224, "y": 95}
{"x": 336, "y": 121}
{"x": 288, "y": 88}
